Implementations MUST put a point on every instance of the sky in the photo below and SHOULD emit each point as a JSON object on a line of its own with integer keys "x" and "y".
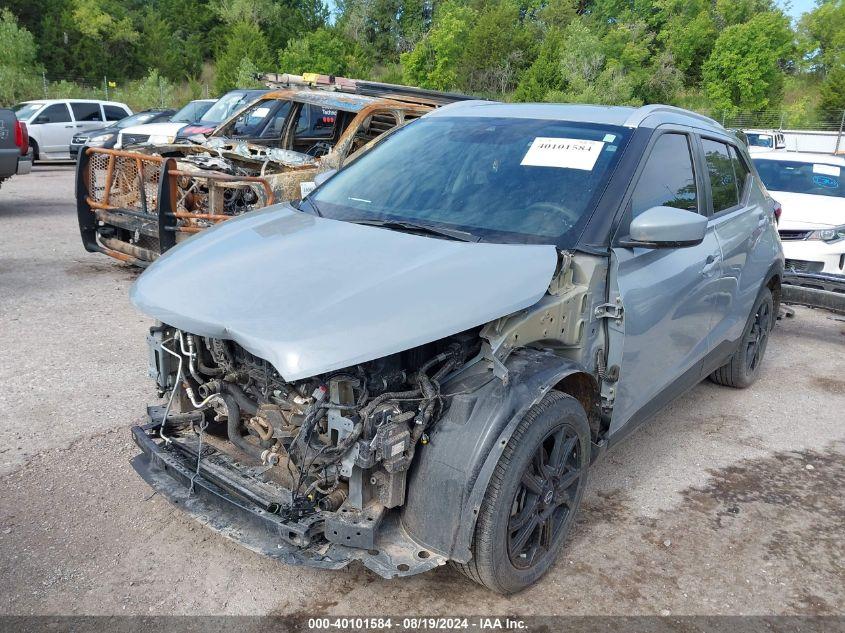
{"x": 798, "y": 7}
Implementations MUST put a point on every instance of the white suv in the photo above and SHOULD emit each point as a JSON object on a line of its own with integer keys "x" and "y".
{"x": 53, "y": 122}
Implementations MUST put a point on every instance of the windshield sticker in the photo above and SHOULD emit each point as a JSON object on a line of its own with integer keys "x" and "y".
{"x": 826, "y": 181}
{"x": 305, "y": 188}
{"x": 567, "y": 153}
{"x": 826, "y": 170}
{"x": 609, "y": 138}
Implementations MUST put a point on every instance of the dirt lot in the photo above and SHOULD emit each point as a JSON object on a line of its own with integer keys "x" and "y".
{"x": 729, "y": 502}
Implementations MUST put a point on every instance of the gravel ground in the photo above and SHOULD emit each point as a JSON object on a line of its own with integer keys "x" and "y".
{"x": 729, "y": 502}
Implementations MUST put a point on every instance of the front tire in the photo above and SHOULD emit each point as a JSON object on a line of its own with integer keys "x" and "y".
{"x": 744, "y": 366}
{"x": 532, "y": 497}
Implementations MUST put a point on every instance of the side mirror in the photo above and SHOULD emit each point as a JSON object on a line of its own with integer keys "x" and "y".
{"x": 666, "y": 227}
{"x": 322, "y": 177}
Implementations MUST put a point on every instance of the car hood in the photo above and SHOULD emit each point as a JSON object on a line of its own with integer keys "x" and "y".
{"x": 96, "y": 132}
{"x": 164, "y": 128}
{"x": 802, "y": 211}
{"x": 312, "y": 295}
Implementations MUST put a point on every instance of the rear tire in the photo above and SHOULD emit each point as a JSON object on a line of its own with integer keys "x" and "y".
{"x": 532, "y": 497}
{"x": 33, "y": 151}
{"x": 743, "y": 368}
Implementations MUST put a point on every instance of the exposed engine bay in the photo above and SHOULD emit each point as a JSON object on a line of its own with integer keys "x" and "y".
{"x": 331, "y": 453}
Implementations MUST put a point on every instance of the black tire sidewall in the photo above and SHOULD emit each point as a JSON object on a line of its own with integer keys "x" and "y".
{"x": 747, "y": 378}
{"x": 563, "y": 411}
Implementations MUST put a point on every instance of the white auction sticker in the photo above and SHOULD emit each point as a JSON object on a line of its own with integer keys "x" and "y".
{"x": 306, "y": 187}
{"x": 826, "y": 170}
{"x": 568, "y": 153}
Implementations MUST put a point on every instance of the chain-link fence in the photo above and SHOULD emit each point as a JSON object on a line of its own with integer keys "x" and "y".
{"x": 820, "y": 120}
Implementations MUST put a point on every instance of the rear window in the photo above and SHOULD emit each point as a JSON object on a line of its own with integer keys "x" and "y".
{"x": 24, "y": 111}
{"x": 86, "y": 111}
{"x": 760, "y": 140}
{"x": 817, "y": 179}
{"x": 113, "y": 113}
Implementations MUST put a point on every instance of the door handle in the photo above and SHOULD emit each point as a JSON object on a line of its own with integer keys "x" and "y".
{"x": 710, "y": 265}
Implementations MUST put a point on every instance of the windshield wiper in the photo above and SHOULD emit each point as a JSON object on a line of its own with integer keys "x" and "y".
{"x": 402, "y": 225}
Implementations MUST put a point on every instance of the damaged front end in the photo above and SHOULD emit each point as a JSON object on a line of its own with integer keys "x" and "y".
{"x": 304, "y": 471}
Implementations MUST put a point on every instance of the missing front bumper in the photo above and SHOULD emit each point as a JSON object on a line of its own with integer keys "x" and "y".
{"x": 229, "y": 514}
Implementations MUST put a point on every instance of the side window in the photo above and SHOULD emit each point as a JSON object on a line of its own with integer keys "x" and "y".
{"x": 86, "y": 111}
{"x": 741, "y": 171}
{"x": 56, "y": 113}
{"x": 315, "y": 122}
{"x": 668, "y": 179}
{"x": 113, "y": 113}
{"x": 374, "y": 126}
{"x": 721, "y": 172}
{"x": 276, "y": 124}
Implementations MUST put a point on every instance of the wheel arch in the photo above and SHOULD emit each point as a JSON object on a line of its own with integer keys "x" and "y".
{"x": 451, "y": 473}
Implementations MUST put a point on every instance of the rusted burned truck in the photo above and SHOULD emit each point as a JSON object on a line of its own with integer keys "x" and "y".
{"x": 134, "y": 204}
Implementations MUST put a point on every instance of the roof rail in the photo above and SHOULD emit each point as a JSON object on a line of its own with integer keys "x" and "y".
{"x": 367, "y": 88}
{"x": 642, "y": 113}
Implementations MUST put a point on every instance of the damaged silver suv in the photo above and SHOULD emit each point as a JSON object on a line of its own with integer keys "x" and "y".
{"x": 419, "y": 361}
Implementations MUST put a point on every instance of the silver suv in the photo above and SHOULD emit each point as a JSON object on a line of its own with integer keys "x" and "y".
{"x": 419, "y": 361}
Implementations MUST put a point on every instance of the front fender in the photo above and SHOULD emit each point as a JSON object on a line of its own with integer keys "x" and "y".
{"x": 450, "y": 474}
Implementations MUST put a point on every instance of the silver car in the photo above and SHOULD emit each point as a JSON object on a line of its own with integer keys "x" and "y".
{"x": 418, "y": 363}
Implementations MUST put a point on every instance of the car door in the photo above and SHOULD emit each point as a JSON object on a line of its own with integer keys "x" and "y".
{"x": 314, "y": 130}
{"x": 54, "y": 130}
{"x": 86, "y": 116}
{"x": 740, "y": 217}
{"x": 665, "y": 294}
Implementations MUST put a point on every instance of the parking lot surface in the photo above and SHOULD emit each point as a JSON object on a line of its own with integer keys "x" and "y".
{"x": 728, "y": 502}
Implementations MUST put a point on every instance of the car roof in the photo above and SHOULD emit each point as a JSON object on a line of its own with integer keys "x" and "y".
{"x": 340, "y": 100}
{"x": 52, "y": 101}
{"x": 801, "y": 157}
{"x": 622, "y": 116}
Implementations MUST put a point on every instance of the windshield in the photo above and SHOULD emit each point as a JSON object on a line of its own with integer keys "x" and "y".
{"x": 760, "y": 140}
{"x": 191, "y": 112}
{"x": 817, "y": 179}
{"x": 226, "y": 106}
{"x": 24, "y": 111}
{"x": 505, "y": 180}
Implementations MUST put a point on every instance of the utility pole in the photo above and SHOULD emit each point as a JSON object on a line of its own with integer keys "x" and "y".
{"x": 839, "y": 135}
{"x": 160, "y": 93}
{"x": 106, "y": 87}
{"x": 44, "y": 83}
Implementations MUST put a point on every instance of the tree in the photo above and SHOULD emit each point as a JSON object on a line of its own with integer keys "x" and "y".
{"x": 832, "y": 95}
{"x": 244, "y": 42}
{"x": 545, "y": 74}
{"x": 325, "y": 51}
{"x": 744, "y": 71}
{"x": 18, "y": 79}
{"x": 822, "y": 33}
{"x": 496, "y": 50}
{"x": 433, "y": 63}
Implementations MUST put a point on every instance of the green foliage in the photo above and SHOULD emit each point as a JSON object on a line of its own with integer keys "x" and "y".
{"x": 325, "y": 51}
{"x": 744, "y": 70}
{"x": 245, "y": 43}
{"x": 434, "y": 61}
{"x": 496, "y": 50}
{"x": 18, "y": 71}
{"x": 717, "y": 56}
{"x": 545, "y": 74}
{"x": 822, "y": 35}
{"x": 832, "y": 95}
{"x": 153, "y": 91}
